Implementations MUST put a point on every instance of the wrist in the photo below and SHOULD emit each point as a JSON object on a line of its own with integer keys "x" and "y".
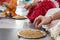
{"x": 51, "y": 18}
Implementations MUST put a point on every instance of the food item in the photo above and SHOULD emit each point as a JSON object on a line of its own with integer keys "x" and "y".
{"x": 33, "y": 33}
{"x": 18, "y": 16}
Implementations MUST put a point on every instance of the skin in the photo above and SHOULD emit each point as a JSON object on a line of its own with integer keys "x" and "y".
{"x": 28, "y": 6}
{"x": 35, "y": 3}
{"x": 42, "y": 20}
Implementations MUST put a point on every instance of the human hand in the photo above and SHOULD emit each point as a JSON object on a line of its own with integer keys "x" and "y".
{"x": 53, "y": 23}
{"x": 41, "y": 20}
{"x": 28, "y": 6}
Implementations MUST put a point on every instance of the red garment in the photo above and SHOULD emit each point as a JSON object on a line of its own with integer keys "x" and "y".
{"x": 8, "y": 1}
{"x": 41, "y": 9}
{"x": 58, "y": 2}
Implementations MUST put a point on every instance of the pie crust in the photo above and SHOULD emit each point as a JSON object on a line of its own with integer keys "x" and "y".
{"x": 33, "y": 33}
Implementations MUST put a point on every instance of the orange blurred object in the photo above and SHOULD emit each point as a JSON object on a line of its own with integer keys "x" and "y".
{"x": 11, "y": 8}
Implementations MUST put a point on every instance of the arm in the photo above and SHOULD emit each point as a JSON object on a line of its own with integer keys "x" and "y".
{"x": 42, "y": 20}
{"x": 35, "y": 2}
{"x": 56, "y": 16}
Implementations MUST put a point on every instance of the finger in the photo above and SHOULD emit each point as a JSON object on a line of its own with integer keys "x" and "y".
{"x": 39, "y": 25}
{"x": 36, "y": 20}
{"x": 36, "y": 25}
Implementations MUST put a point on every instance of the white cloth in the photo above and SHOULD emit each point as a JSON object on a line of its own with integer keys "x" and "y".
{"x": 56, "y": 3}
{"x": 20, "y": 10}
{"x": 58, "y": 38}
{"x": 49, "y": 13}
{"x": 2, "y": 8}
{"x": 52, "y": 11}
{"x": 55, "y": 30}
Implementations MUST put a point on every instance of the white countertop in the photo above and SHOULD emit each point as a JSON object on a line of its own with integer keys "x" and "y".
{"x": 8, "y": 30}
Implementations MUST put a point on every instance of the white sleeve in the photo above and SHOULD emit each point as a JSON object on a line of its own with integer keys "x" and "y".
{"x": 56, "y": 3}
{"x": 54, "y": 31}
{"x": 49, "y": 13}
{"x": 52, "y": 11}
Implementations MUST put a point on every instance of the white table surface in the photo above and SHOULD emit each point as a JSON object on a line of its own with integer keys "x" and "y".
{"x": 8, "y": 30}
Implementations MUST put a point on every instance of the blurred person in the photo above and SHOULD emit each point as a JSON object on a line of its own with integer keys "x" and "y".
{"x": 43, "y": 20}
{"x": 11, "y": 6}
{"x": 51, "y": 22}
{"x": 39, "y": 7}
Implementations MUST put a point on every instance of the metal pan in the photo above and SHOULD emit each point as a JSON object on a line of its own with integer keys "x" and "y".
{"x": 33, "y": 38}
{"x": 19, "y": 18}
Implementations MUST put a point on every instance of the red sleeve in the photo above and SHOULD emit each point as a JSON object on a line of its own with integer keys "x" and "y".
{"x": 8, "y": 1}
{"x": 41, "y": 9}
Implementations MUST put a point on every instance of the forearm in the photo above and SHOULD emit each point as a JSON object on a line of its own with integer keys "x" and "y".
{"x": 56, "y": 15}
{"x": 37, "y": 1}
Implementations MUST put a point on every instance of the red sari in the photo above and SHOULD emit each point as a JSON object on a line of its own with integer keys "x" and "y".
{"x": 41, "y": 9}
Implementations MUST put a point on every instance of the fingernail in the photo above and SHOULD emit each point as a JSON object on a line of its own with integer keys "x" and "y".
{"x": 39, "y": 26}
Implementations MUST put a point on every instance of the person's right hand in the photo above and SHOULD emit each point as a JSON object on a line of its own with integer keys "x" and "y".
{"x": 41, "y": 20}
{"x": 28, "y": 6}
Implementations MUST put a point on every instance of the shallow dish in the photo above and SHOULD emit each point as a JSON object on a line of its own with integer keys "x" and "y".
{"x": 32, "y": 33}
